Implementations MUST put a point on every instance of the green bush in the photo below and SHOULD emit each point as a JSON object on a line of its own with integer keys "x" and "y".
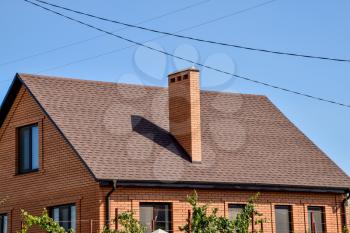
{"x": 202, "y": 222}
{"x": 44, "y": 222}
{"x": 128, "y": 223}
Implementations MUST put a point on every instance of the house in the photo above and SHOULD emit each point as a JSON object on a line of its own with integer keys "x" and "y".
{"x": 88, "y": 150}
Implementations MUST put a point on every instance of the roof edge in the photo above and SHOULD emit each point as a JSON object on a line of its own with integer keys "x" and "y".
{"x": 9, "y": 98}
{"x": 231, "y": 186}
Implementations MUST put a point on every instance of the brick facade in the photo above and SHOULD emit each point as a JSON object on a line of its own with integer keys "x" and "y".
{"x": 64, "y": 179}
{"x": 126, "y": 199}
{"x": 61, "y": 179}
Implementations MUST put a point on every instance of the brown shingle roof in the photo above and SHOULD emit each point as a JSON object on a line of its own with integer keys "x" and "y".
{"x": 121, "y": 132}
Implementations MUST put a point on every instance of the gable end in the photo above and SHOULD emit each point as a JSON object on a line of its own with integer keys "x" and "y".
{"x": 10, "y": 99}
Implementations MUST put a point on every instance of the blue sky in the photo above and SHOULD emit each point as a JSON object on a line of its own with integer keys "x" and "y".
{"x": 35, "y": 41}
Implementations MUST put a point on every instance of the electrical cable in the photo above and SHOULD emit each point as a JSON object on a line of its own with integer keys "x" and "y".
{"x": 196, "y": 39}
{"x": 19, "y": 59}
{"x": 190, "y": 61}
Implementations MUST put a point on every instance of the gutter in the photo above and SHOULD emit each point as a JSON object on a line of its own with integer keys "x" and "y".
{"x": 230, "y": 186}
{"x": 108, "y": 204}
{"x": 345, "y": 220}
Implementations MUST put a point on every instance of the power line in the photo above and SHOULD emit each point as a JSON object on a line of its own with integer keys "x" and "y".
{"x": 155, "y": 38}
{"x": 194, "y": 38}
{"x": 101, "y": 35}
{"x": 159, "y": 37}
{"x": 192, "y": 62}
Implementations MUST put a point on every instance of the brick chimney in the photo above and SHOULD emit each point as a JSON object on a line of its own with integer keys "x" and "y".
{"x": 184, "y": 111}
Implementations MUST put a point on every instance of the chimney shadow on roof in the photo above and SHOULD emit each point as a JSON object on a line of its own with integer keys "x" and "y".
{"x": 158, "y": 135}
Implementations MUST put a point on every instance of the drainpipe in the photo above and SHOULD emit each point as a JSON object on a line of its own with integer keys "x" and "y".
{"x": 345, "y": 221}
{"x": 108, "y": 203}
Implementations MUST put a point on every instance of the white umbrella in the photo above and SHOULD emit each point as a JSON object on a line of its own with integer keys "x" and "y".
{"x": 159, "y": 231}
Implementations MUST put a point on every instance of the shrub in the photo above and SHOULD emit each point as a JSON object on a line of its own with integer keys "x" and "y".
{"x": 44, "y": 222}
{"x": 128, "y": 223}
{"x": 202, "y": 222}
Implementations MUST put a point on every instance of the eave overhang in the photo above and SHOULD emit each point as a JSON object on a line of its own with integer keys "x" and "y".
{"x": 227, "y": 186}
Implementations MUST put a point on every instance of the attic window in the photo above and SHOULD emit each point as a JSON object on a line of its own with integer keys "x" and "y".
{"x": 28, "y": 148}
{"x": 178, "y": 78}
{"x": 185, "y": 77}
{"x": 172, "y": 80}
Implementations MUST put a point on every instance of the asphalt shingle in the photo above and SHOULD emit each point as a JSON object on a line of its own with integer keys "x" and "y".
{"x": 121, "y": 132}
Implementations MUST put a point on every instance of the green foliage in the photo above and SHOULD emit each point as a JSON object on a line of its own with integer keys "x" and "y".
{"x": 225, "y": 225}
{"x": 245, "y": 218}
{"x": 345, "y": 229}
{"x": 128, "y": 223}
{"x": 202, "y": 222}
{"x": 43, "y": 221}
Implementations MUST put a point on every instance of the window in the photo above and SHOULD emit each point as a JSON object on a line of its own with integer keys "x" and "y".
{"x": 65, "y": 215}
{"x": 28, "y": 148}
{"x": 234, "y": 210}
{"x": 283, "y": 219}
{"x": 156, "y": 216}
{"x": 316, "y": 219}
{"x": 3, "y": 223}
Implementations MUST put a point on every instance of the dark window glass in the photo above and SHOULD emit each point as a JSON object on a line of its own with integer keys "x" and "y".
{"x": 234, "y": 210}
{"x": 28, "y": 148}
{"x": 3, "y": 223}
{"x": 65, "y": 215}
{"x": 283, "y": 219}
{"x": 156, "y": 216}
{"x": 316, "y": 219}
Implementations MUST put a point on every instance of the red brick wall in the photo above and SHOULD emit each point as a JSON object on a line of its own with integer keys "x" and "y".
{"x": 62, "y": 178}
{"x": 126, "y": 199}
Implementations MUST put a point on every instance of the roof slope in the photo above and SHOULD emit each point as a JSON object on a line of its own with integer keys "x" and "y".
{"x": 121, "y": 132}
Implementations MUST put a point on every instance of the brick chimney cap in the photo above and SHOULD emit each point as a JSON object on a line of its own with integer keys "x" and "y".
{"x": 184, "y": 70}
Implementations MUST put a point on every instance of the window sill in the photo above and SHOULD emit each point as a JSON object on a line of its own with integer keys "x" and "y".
{"x": 27, "y": 172}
